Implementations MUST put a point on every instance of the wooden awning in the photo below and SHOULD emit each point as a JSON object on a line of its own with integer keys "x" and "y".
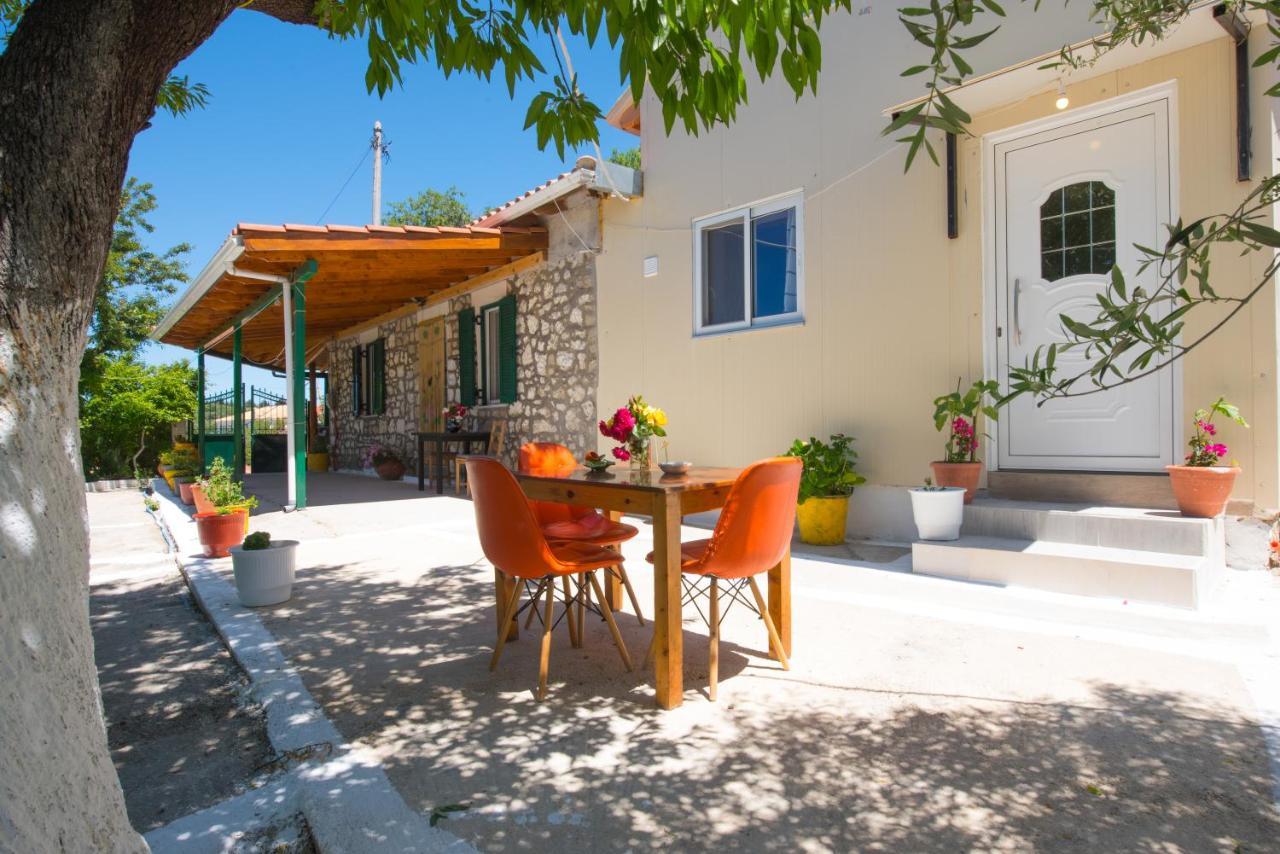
{"x": 361, "y": 272}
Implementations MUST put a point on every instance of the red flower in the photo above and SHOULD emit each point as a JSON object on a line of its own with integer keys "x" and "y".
{"x": 622, "y": 454}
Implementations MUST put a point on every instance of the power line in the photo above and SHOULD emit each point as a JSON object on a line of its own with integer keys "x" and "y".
{"x": 343, "y": 188}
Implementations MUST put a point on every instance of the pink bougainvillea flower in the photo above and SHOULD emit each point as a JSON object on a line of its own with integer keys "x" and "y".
{"x": 622, "y": 454}
{"x": 1218, "y": 450}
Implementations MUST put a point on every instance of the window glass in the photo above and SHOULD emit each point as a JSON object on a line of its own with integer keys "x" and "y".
{"x": 722, "y": 275}
{"x": 1078, "y": 231}
{"x": 773, "y": 243}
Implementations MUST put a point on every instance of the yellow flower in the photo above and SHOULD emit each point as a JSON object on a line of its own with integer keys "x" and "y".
{"x": 658, "y": 417}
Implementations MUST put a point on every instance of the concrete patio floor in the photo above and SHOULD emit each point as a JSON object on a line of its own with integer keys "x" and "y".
{"x": 919, "y": 714}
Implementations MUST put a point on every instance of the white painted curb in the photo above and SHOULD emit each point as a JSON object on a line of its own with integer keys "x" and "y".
{"x": 349, "y": 802}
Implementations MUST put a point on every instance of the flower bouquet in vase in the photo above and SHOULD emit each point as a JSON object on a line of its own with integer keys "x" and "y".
{"x": 633, "y": 427}
{"x": 454, "y": 414}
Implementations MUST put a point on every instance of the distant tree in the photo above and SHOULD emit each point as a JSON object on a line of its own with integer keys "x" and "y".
{"x": 128, "y": 302}
{"x": 430, "y": 207}
{"x": 126, "y": 418}
{"x": 629, "y": 157}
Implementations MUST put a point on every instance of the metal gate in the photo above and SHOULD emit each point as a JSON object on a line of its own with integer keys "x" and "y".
{"x": 268, "y": 443}
{"x": 219, "y": 428}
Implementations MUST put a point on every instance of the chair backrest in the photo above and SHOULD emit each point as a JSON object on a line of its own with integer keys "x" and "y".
{"x": 755, "y": 526}
{"x": 550, "y": 459}
{"x": 510, "y": 536}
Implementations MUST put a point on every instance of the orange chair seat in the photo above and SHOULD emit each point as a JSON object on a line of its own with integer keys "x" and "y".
{"x": 592, "y": 528}
{"x": 690, "y": 555}
{"x": 575, "y": 557}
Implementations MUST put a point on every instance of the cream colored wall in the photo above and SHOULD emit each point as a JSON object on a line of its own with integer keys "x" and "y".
{"x": 893, "y": 308}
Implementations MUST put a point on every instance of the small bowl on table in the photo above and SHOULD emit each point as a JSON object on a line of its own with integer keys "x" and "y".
{"x": 597, "y": 464}
{"x": 675, "y": 468}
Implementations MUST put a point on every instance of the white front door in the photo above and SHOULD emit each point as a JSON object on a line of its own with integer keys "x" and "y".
{"x": 1070, "y": 202}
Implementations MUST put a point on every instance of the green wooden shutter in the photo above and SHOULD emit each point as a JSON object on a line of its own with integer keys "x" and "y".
{"x": 467, "y": 357}
{"x": 355, "y": 380}
{"x": 378, "y": 377}
{"x": 507, "y": 348}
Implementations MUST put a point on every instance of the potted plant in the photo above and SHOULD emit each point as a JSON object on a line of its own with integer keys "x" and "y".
{"x": 203, "y": 504}
{"x": 318, "y": 456}
{"x": 938, "y": 510}
{"x": 825, "y": 486}
{"x": 185, "y": 481}
{"x": 959, "y": 414}
{"x": 226, "y": 525}
{"x": 385, "y": 462}
{"x": 634, "y": 427}
{"x": 1200, "y": 485}
{"x": 165, "y": 464}
{"x": 453, "y": 415}
{"x": 264, "y": 569}
{"x": 184, "y": 443}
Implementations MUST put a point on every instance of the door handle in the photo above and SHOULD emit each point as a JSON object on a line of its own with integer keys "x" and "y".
{"x": 1017, "y": 314}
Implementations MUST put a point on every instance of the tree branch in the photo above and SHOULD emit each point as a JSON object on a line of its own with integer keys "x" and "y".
{"x": 290, "y": 11}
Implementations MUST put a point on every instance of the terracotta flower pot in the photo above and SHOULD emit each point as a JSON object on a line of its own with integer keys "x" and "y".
{"x": 390, "y": 470}
{"x": 963, "y": 475}
{"x": 184, "y": 491}
{"x": 1202, "y": 491}
{"x": 219, "y": 532}
{"x": 203, "y": 505}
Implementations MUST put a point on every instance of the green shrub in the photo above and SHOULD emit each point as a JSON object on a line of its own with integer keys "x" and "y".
{"x": 828, "y": 468}
{"x": 223, "y": 491}
{"x": 257, "y": 540}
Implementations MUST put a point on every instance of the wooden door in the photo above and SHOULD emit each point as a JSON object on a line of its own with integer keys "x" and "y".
{"x": 431, "y": 373}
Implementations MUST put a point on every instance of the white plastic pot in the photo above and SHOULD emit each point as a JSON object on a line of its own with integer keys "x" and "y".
{"x": 938, "y": 512}
{"x": 265, "y": 576}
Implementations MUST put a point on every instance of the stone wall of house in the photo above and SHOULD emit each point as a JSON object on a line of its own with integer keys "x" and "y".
{"x": 558, "y": 361}
{"x": 351, "y": 436}
{"x": 557, "y": 370}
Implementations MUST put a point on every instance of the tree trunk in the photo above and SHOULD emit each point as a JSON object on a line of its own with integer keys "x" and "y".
{"x": 77, "y": 83}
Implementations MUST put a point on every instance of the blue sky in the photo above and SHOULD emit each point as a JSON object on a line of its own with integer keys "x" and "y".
{"x": 290, "y": 118}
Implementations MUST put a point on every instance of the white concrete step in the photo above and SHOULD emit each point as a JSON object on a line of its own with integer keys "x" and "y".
{"x": 1162, "y": 531}
{"x": 1136, "y": 575}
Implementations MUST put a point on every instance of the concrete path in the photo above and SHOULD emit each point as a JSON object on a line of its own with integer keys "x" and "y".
{"x": 920, "y": 714}
{"x": 181, "y": 737}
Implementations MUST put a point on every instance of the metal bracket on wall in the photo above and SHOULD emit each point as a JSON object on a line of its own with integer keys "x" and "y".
{"x": 1238, "y": 28}
{"x": 953, "y": 200}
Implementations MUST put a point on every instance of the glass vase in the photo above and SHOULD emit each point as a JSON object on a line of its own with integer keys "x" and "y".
{"x": 639, "y": 456}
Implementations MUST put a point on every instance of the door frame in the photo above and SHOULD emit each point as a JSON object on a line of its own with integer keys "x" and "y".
{"x": 1166, "y": 91}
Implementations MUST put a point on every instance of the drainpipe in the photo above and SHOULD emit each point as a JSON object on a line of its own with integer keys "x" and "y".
{"x": 237, "y": 405}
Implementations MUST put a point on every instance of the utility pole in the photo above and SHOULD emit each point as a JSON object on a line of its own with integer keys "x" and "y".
{"x": 377, "y": 173}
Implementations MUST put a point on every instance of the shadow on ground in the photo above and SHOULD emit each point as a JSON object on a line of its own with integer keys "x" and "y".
{"x": 180, "y": 738}
{"x": 783, "y": 762}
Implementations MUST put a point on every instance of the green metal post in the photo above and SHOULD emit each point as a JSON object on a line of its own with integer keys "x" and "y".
{"x": 237, "y": 429}
{"x": 200, "y": 407}
{"x": 299, "y": 413}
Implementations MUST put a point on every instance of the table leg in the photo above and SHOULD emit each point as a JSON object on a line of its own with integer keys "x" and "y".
{"x": 439, "y": 467}
{"x": 780, "y": 601}
{"x": 502, "y": 585}
{"x": 668, "y": 661}
{"x": 422, "y": 471}
{"x": 613, "y": 582}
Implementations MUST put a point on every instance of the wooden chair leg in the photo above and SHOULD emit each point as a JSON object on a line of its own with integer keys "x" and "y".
{"x": 653, "y": 650}
{"x": 608, "y": 618}
{"x": 507, "y": 613}
{"x": 713, "y": 660}
{"x": 774, "y": 640}
{"x": 544, "y": 658}
{"x": 533, "y": 610}
{"x": 457, "y": 475}
{"x": 631, "y": 593}
{"x": 575, "y": 633}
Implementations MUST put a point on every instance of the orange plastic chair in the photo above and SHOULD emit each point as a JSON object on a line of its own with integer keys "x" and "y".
{"x": 512, "y": 540}
{"x": 565, "y": 522}
{"x": 751, "y": 536}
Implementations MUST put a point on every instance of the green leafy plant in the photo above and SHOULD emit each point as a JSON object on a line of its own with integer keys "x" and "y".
{"x": 929, "y": 487}
{"x": 961, "y": 412}
{"x": 257, "y": 540}
{"x": 152, "y": 504}
{"x": 828, "y": 467}
{"x": 223, "y": 491}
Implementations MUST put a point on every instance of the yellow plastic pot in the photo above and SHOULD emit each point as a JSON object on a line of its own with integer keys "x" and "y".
{"x": 318, "y": 461}
{"x": 822, "y": 520}
{"x": 169, "y": 475}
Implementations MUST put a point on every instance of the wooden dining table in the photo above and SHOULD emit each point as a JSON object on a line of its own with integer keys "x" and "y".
{"x": 666, "y": 500}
